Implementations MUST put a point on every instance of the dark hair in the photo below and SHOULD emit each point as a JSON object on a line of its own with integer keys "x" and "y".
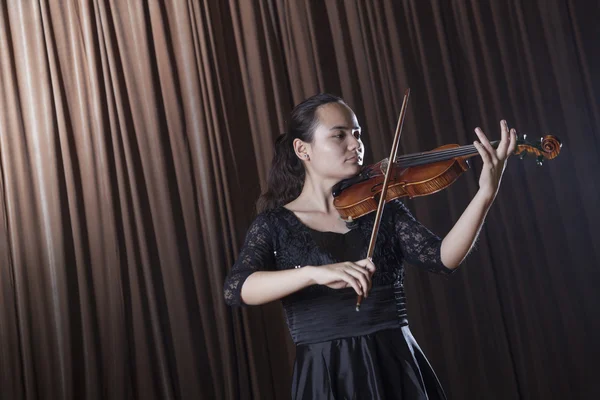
{"x": 286, "y": 176}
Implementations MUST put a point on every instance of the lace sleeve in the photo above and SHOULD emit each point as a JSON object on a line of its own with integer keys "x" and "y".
{"x": 255, "y": 255}
{"x": 420, "y": 246}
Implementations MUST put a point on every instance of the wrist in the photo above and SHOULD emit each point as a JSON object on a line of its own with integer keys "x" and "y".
{"x": 307, "y": 272}
{"x": 486, "y": 196}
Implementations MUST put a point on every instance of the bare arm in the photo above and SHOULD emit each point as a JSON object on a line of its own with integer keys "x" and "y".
{"x": 266, "y": 286}
{"x": 460, "y": 240}
{"x": 253, "y": 279}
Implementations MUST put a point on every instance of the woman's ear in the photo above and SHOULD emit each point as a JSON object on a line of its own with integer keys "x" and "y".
{"x": 301, "y": 149}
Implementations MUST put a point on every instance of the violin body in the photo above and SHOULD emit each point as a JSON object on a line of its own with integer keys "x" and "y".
{"x": 415, "y": 181}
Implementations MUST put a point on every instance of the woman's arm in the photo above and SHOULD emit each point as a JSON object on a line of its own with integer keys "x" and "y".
{"x": 254, "y": 280}
{"x": 460, "y": 240}
{"x": 265, "y": 286}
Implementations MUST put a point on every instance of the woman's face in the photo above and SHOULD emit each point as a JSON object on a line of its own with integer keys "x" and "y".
{"x": 336, "y": 150}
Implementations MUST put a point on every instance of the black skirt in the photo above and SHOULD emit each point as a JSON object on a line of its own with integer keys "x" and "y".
{"x": 387, "y": 364}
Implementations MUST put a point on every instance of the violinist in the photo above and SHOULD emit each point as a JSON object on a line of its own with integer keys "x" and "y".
{"x": 300, "y": 251}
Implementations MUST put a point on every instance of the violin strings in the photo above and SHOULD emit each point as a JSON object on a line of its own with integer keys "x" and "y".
{"x": 411, "y": 160}
{"x": 441, "y": 155}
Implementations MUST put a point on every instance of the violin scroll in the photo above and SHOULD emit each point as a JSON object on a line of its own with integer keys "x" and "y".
{"x": 546, "y": 148}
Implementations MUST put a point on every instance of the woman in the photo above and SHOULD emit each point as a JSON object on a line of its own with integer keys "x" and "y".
{"x": 300, "y": 251}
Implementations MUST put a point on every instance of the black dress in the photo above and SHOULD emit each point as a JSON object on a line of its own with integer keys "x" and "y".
{"x": 341, "y": 353}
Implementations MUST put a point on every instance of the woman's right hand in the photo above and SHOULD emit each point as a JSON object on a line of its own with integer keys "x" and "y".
{"x": 341, "y": 275}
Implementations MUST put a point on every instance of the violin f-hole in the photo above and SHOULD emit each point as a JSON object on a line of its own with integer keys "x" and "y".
{"x": 375, "y": 188}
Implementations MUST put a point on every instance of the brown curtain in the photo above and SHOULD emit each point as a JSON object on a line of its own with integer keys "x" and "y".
{"x": 135, "y": 137}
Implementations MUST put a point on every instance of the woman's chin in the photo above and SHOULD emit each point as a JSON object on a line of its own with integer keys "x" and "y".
{"x": 356, "y": 167}
{"x": 352, "y": 170}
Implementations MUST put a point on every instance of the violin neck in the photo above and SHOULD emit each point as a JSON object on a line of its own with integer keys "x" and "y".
{"x": 429, "y": 157}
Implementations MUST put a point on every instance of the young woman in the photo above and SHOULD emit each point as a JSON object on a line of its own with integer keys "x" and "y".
{"x": 300, "y": 251}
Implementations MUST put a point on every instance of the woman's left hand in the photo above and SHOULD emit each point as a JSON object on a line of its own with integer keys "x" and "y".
{"x": 494, "y": 160}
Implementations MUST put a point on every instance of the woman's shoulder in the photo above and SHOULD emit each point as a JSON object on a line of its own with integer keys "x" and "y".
{"x": 272, "y": 217}
{"x": 397, "y": 208}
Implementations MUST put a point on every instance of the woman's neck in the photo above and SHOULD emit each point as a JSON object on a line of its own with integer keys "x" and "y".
{"x": 315, "y": 196}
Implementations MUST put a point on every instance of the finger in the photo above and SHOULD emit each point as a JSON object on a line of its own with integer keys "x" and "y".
{"x": 486, "y": 145}
{"x": 485, "y": 156}
{"x": 352, "y": 282}
{"x": 355, "y": 272}
{"x": 364, "y": 272}
{"x": 367, "y": 264}
{"x": 357, "y": 266}
{"x": 504, "y": 140}
{"x": 512, "y": 147}
{"x": 370, "y": 268}
{"x": 362, "y": 276}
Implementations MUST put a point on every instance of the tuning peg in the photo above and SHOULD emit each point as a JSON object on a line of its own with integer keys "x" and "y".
{"x": 539, "y": 160}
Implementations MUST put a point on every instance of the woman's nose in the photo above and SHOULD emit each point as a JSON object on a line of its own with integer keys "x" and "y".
{"x": 354, "y": 143}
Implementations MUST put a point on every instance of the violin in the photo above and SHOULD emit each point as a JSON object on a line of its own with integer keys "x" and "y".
{"x": 415, "y": 175}
{"x": 421, "y": 174}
